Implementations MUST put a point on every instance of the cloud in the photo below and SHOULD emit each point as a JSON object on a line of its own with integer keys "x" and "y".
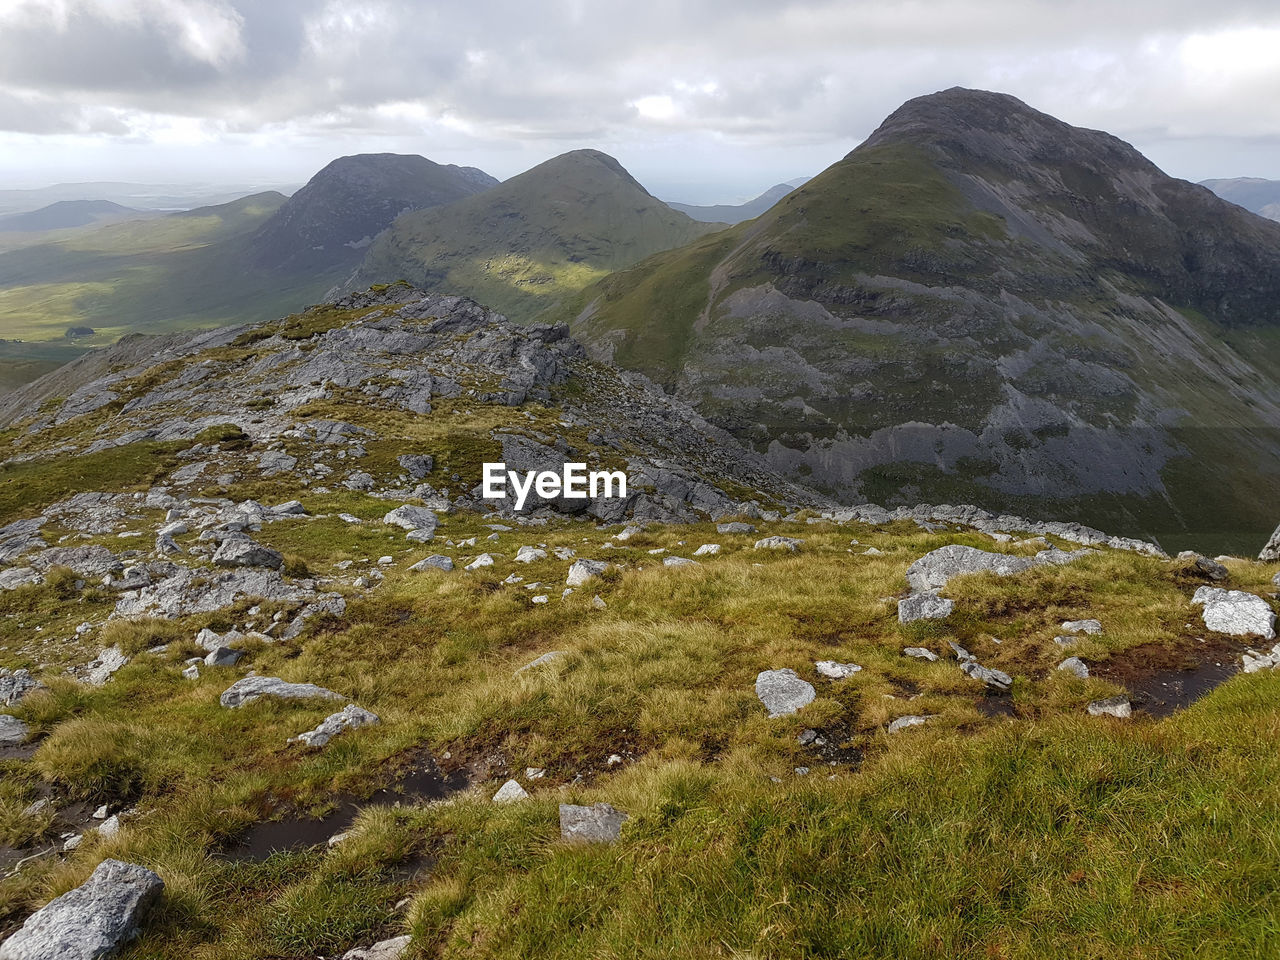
{"x": 752, "y": 73}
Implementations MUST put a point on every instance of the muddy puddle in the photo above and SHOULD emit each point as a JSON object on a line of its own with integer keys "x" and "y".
{"x": 1163, "y": 679}
{"x": 417, "y": 784}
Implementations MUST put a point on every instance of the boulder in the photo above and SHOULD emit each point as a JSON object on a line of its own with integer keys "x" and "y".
{"x": 16, "y": 685}
{"x": 783, "y": 692}
{"x": 108, "y": 662}
{"x": 1236, "y": 613}
{"x": 349, "y": 717}
{"x": 415, "y": 519}
{"x": 1076, "y": 666}
{"x": 1271, "y": 552}
{"x": 1203, "y": 566}
{"x": 290, "y": 508}
{"x": 12, "y": 730}
{"x": 598, "y": 823}
{"x": 91, "y": 921}
{"x": 392, "y": 949}
{"x": 417, "y": 465}
{"x": 510, "y": 792}
{"x": 779, "y": 543}
{"x": 583, "y": 570}
{"x": 924, "y": 606}
{"x": 530, "y": 554}
{"x": 250, "y": 689}
{"x": 243, "y": 552}
{"x": 223, "y": 657}
{"x": 434, "y": 562}
{"x": 87, "y": 561}
{"x": 931, "y": 572}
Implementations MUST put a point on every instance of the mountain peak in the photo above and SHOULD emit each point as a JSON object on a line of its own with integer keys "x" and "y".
{"x": 588, "y": 162}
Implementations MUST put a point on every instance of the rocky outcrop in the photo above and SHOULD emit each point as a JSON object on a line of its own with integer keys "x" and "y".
{"x": 91, "y": 921}
{"x": 249, "y": 689}
{"x": 349, "y": 717}
{"x": 1271, "y": 550}
{"x": 1236, "y": 613}
{"x": 598, "y": 823}
{"x": 932, "y": 571}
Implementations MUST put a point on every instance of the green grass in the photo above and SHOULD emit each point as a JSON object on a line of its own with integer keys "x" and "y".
{"x": 26, "y": 487}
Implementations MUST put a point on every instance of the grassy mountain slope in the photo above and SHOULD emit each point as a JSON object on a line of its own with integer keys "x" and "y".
{"x": 531, "y": 244}
{"x": 983, "y": 304}
{"x": 1006, "y": 825}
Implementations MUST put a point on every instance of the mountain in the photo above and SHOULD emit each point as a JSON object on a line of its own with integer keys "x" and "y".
{"x": 67, "y": 213}
{"x": 1252, "y": 193}
{"x": 736, "y": 213}
{"x": 331, "y": 220}
{"x": 156, "y": 197}
{"x": 259, "y": 620}
{"x": 534, "y": 242}
{"x": 984, "y": 304}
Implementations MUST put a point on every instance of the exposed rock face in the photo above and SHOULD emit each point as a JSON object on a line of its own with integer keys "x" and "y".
{"x": 598, "y": 823}
{"x": 1271, "y": 551}
{"x": 960, "y": 297}
{"x": 253, "y": 688}
{"x": 783, "y": 692}
{"x": 12, "y": 730}
{"x": 932, "y": 571}
{"x": 1236, "y": 613}
{"x": 16, "y": 684}
{"x": 243, "y": 552}
{"x": 924, "y": 606}
{"x": 91, "y": 921}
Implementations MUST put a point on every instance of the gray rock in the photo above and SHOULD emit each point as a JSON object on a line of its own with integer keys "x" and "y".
{"x": 1271, "y": 552}
{"x": 250, "y": 689}
{"x": 1082, "y": 626}
{"x": 920, "y": 653}
{"x": 996, "y": 679}
{"x": 583, "y": 570}
{"x": 1236, "y": 613}
{"x": 836, "y": 671}
{"x": 544, "y": 659}
{"x": 1205, "y": 567}
{"x": 1252, "y": 662}
{"x": 223, "y": 657}
{"x": 530, "y": 554}
{"x": 204, "y": 590}
{"x": 359, "y": 480}
{"x": 807, "y": 737}
{"x": 108, "y": 662}
{"x": 16, "y": 685}
{"x": 678, "y": 562}
{"x": 412, "y": 518}
{"x": 779, "y": 543}
{"x": 783, "y": 692}
{"x": 1076, "y": 666}
{"x": 275, "y": 462}
{"x": 87, "y": 561}
{"x": 349, "y": 717}
{"x": 91, "y": 921}
{"x": 12, "y": 730}
{"x": 909, "y": 721}
{"x": 931, "y": 572}
{"x": 15, "y": 577}
{"x": 598, "y": 823}
{"x": 924, "y": 606}
{"x": 707, "y": 550}
{"x": 510, "y": 792}
{"x": 484, "y": 560}
{"x": 1112, "y": 706}
{"x": 392, "y": 949}
{"x": 206, "y": 639}
{"x": 290, "y": 508}
{"x": 416, "y": 465}
{"x": 434, "y": 562}
{"x": 247, "y": 553}
{"x": 737, "y": 526}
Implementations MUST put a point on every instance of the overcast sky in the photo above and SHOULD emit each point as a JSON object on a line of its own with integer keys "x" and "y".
{"x": 702, "y": 100}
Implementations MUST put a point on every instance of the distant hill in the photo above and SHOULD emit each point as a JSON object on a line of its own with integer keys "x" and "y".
{"x": 163, "y": 197}
{"x": 67, "y": 213}
{"x": 331, "y": 220}
{"x": 735, "y": 213}
{"x": 1252, "y": 193}
{"x": 534, "y": 241}
{"x": 982, "y": 304}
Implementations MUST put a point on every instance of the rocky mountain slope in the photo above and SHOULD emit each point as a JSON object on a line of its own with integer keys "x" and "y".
{"x": 533, "y": 243}
{"x": 276, "y": 681}
{"x": 983, "y": 303}
{"x": 331, "y": 221}
{"x": 1253, "y": 193}
{"x": 735, "y": 212}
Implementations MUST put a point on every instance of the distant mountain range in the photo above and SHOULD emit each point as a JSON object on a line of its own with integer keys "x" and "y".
{"x": 1252, "y": 193}
{"x": 137, "y": 196}
{"x": 66, "y": 214}
{"x": 736, "y": 213}
{"x": 983, "y": 304}
{"x": 532, "y": 243}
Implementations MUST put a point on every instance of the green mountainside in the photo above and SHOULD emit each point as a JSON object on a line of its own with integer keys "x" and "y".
{"x": 983, "y": 304}
{"x": 530, "y": 245}
{"x": 263, "y": 641}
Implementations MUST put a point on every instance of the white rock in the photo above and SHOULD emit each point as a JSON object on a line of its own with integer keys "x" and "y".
{"x": 434, "y": 562}
{"x": 12, "y": 730}
{"x": 510, "y": 792}
{"x": 924, "y": 606}
{"x": 783, "y": 692}
{"x": 392, "y": 949}
{"x": 1112, "y": 706}
{"x": 707, "y": 550}
{"x": 1236, "y": 613}
{"x": 920, "y": 653}
{"x": 836, "y": 671}
{"x": 484, "y": 560}
{"x": 249, "y": 689}
{"x": 530, "y": 555}
{"x": 349, "y": 717}
{"x": 903, "y": 722}
{"x": 1076, "y": 666}
{"x": 544, "y": 659}
{"x": 598, "y": 823}
{"x": 778, "y": 543}
{"x": 583, "y": 570}
{"x": 1082, "y": 626}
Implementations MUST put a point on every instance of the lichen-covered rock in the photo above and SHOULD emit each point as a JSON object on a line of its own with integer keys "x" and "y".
{"x": 931, "y": 572}
{"x": 779, "y": 543}
{"x": 243, "y": 552}
{"x": 412, "y": 518}
{"x": 836, "y": 671}
{"x": 783, "y": 691}
{"x": 91, "y": 921}
{"x": 434, "y": 562}
{"x": 12, "y": 730}
{"x": 250, "y": 689}
{"x": 1236, "y": 613}
{"x": 16, "y": 684}
{"x": 598, "y": 823}
{"x": 583, "y": 570}
{"x": 349, "y": 717}
{"x": 924, "y": 606}
{"x": 1082, "y": 626}
{"x": 1117, "y": 706}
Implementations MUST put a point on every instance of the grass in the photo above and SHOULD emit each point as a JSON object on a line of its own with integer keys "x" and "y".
{"x": 1045, "y": 833}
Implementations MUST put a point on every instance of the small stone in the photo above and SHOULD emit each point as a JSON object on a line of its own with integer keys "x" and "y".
{"x": 783, "y": 692}
{"x": 434, "y": 562}
{"x": 510, "y": 792}
{"x": 614, "y": 760}
{"x": 807, "y": 737}
{"x": 542, "y": 598}
{"x": 735, "y": 527}
{"x": 484, "y": 560}
{"x": 707, "y": 550}
{"x": 542, "y": 660}
{"x": 530, "y": 555}
{"x": 1082, "y": 626}
{"x": 1075, "y": 665}
{"x": 598, "y": 823}
{"x": 903, "y": 722}
{"x": 534, "y": 773}
{"x": 779, "y": 543}
{"x": 12, "y": 730}
{"x": 249, "y": 689}
{"x": 597, "y": 602}
{"x": 192, "y": 672}
{"x": 223, "y": 657}
{"x": 924, "y": 606}
{"x": 102, "y": 812}
{"x": 836, "y": 671}
{"x": 920, "y": 653}
{"x": 678, "y": 562}
{"x": 392, "y": 949}
{"x": 1112, "y": 706}
{"x": 583, "y": 570}
{"x": 349, "y": 717}
{"x": 247, "y": 553}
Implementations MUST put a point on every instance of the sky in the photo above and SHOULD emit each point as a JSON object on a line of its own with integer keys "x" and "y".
{"x": 704, "y": 101}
